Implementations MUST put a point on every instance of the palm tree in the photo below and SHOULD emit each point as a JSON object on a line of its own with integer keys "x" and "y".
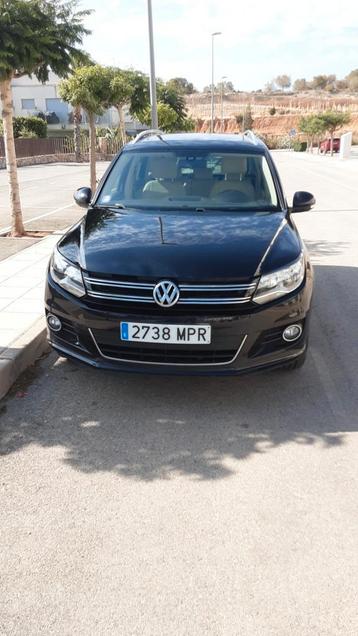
{"x": 34, "y": 36}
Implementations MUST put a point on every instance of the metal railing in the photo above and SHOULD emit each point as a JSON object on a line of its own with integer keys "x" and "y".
{"x": 34, "y": 147}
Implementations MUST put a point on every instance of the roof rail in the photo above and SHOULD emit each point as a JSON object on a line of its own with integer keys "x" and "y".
{"x": 148, "y": 133}
{"x": 250, "y": 135}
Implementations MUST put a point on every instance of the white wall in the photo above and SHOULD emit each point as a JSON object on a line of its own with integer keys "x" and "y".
{"x": 30, "y": 88}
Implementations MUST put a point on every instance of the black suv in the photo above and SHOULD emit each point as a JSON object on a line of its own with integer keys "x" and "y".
{"x": 187, "y": 261}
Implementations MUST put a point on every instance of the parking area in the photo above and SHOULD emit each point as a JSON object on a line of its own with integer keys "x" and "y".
{"x": 47, "y": 194}
{"x": 145, "y": 505}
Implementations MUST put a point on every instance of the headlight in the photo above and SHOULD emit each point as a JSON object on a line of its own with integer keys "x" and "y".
{"x": 281, "y": 282}
{"x": 66, "y": 274}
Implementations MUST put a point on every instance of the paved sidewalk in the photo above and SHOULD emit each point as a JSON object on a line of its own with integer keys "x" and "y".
{"x": 22, "y": 324}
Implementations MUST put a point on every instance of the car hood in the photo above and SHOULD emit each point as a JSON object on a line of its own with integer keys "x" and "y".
{"x": 182, "y": 245}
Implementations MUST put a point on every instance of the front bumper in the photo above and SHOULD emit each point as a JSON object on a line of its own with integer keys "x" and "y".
{"x": 241, "y": 342}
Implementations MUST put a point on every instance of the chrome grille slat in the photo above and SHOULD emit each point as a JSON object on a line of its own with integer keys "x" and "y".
{"x": 133, "y": 299}
{"x": 216, "y": 301}
{"x": 116, "y": 283}
{"x": 191, "y": 294}
{"x": 216, "y": 287}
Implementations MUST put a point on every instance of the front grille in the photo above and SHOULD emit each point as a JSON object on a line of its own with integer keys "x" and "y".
{"x": 126, "y": 292}
{"x": 163, "y": 354}
{"x": 167, "y": 356}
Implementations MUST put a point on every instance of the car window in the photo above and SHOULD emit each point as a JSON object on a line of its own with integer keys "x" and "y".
{"x": 185, "y": 180}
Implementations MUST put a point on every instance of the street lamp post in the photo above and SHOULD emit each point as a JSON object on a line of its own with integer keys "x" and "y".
{"x": 153, "y": 88}
{"x": 224, "y": 77}
{"x": 212, "y": 79}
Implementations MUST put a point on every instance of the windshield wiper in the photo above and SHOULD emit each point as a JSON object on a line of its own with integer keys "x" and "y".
{"x": 118, "y": 206}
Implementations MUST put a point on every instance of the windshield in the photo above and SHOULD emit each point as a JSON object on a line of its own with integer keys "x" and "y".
{"x": 187, "y": 180}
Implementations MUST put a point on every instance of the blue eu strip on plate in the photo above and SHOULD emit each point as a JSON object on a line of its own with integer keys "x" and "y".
{"x": 124, "y": 330}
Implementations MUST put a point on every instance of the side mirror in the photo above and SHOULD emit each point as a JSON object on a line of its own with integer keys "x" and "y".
{"x": 83, "y": 197}
{"x": 302, "y": 201}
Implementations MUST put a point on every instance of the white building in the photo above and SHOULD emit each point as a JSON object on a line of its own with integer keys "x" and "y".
{"x": 31, "y": 97}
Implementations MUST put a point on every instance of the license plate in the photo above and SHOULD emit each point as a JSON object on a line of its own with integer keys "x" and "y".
{"x": 166, "y": 334}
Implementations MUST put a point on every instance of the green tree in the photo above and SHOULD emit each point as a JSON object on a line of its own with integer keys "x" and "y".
{"x": 270, "y": 87}
{"x": 239, "y": 120}
{"x": 333, "y": 121}
{"x": 167, "y": 94}
{"x": 342, "y": 85}
{"x": 283, "y": 81}
{"x": 90, "y": 88}
{"x": 182, "y": 85}
{"x": 247, "y": 120}
{"x": 320, "y": 82}
{"x": 167, "y": 117}
{"x": 35, "y": 35}
{"x": 139, "y": 100}
{"x": 312, "y": 126}
{"x": 225, "y": 87}
{"x": 300, "y": 85}
{"x": 352, "y": 80}
{"x": 122, "y": 90}
{"x": 85, "y": 60}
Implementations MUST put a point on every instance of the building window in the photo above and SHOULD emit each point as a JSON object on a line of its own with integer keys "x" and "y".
{"x": 28, "y": 104}
{"x": 57, "y": 110}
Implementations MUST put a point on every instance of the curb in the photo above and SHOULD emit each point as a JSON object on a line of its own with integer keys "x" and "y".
{"x": 23, "y": 352}
{"x": 31, "y": 343}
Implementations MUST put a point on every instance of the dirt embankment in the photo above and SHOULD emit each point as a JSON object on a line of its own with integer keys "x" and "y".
{"x": 288, "y": 111}
{"x": 273, "y": 126}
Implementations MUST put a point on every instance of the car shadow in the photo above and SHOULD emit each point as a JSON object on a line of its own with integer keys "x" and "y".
{"x": 155, "y": 427}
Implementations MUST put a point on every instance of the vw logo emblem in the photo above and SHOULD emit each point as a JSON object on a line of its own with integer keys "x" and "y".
{"x": 166, "y": 293}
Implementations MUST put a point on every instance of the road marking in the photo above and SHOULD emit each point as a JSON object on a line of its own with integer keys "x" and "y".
{"x": 40, "y": 216}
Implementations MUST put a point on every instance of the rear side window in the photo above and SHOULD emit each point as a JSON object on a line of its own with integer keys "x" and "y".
{"x": 185, "y": 180}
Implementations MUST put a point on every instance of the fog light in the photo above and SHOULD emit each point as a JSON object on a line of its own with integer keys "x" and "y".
{"x": 292, "y": 333}
{"x": 53, "y": 322}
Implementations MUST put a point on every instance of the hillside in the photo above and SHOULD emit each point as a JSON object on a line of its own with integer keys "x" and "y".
{"x": 289, "y": 110}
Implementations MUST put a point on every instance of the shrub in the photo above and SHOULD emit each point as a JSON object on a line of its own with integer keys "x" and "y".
{"x": 285, "y": 142}
{"x": 27, "y": 134}
{"x": 102, "y": 131}
{"x": 299, "y": 146}
{"x": 271, "y": 142}
{"x": 188, "y": 125}
{"x": 272, "y": 111}
{"x": 25, "y": 125}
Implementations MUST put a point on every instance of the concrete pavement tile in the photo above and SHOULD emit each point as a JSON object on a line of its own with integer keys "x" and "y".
{"x": 26, "y": 281}
{"x": 17, "y": 321}
{"x": 4, "y": 302}
{"x": 11, "y": 269}
{"x": 7, "y": 336}
{"x": 14, "y": 291}
{"x": 37, "y": 293}
{"x": 24, "y": 306}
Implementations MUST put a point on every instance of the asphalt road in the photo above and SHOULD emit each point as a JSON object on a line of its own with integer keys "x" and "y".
{"x": 139, "y": 505}
{"x": 47, "y": 194}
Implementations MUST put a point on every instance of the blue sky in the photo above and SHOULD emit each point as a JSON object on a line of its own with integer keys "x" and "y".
{"x": 260, "y": 39}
